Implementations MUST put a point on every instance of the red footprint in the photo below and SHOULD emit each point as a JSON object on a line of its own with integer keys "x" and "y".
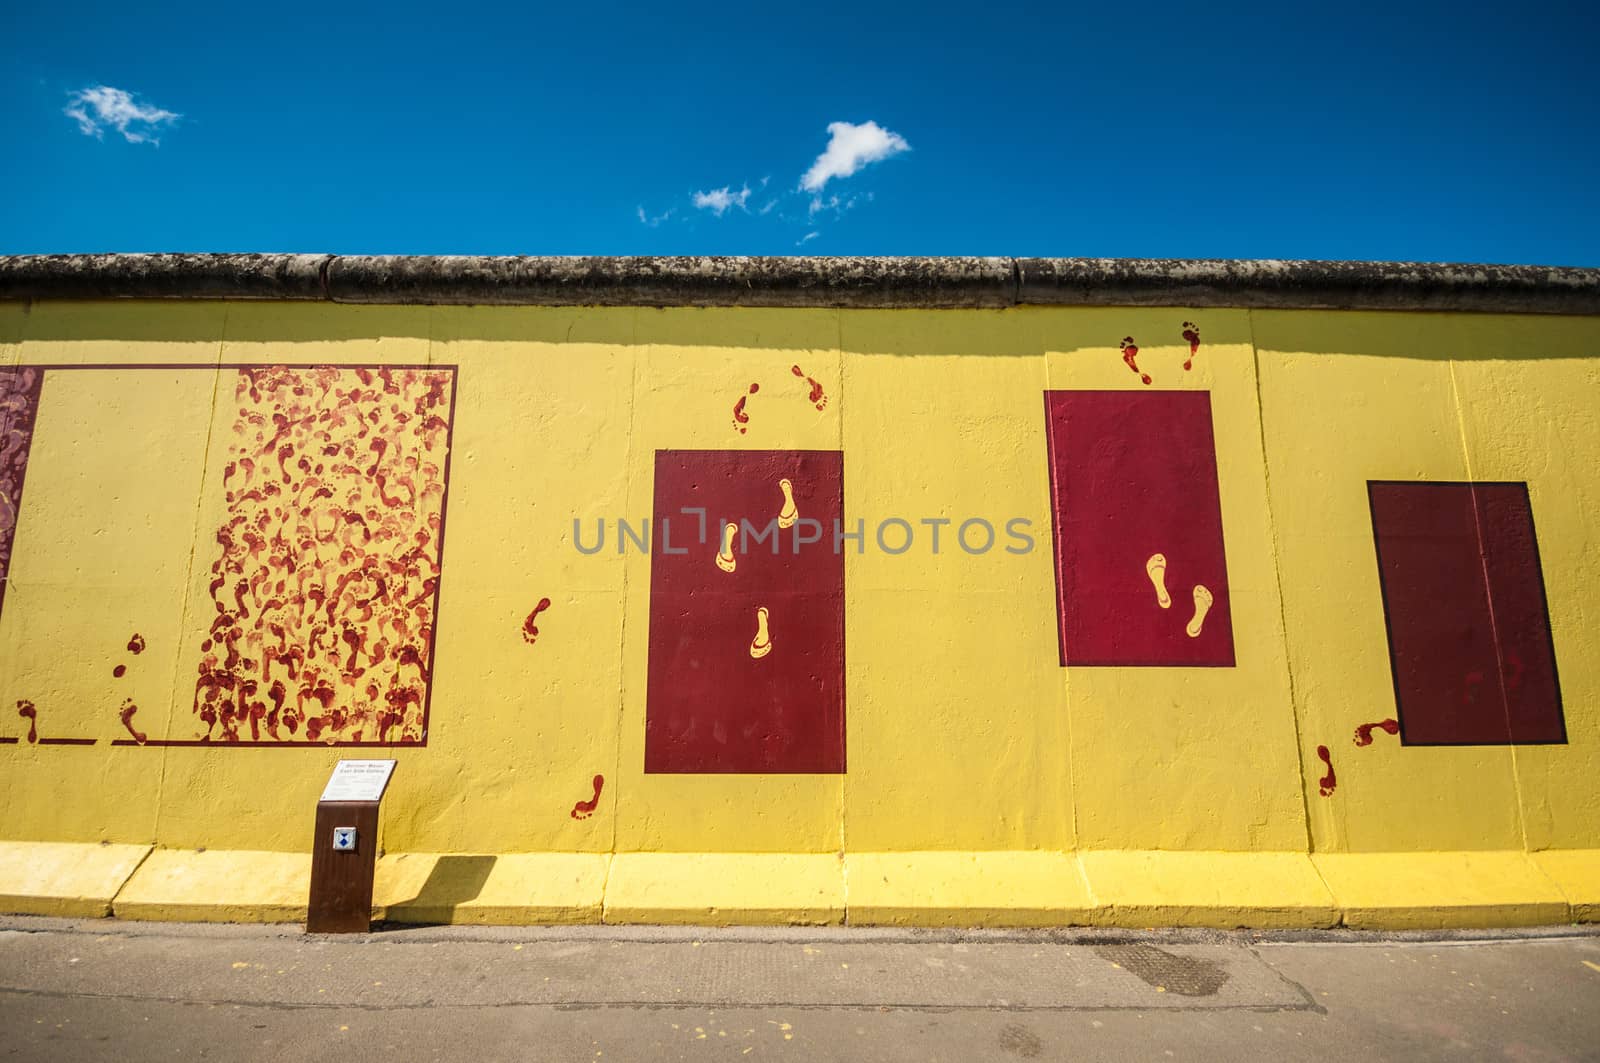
{"x": 1364, "y": 732}
{"x": 740, "y": 418}
{"x": 529, "y": 631}
{"x": 1130, "y": 354}
{"x": 817, "y": 396}
{"x": 126, "y": 715}
{"x": 585, "y": 809}
{"x": 26, "y": 710}
{"x": 1328, "y": 782}
{"x": 1191, "y": 332}
{"x": 136, "y": 644}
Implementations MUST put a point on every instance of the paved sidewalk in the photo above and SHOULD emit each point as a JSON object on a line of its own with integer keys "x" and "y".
{"x": 136, "y": 991}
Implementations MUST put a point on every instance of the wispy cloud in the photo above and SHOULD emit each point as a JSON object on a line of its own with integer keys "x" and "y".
{"x": 102, "y": 107}
{"x": 654, "y": 220}
{"x": 807, "y": 238}
{"x": 836, "y": 204}
{"x": 718, "y": 200}
{"x": 850, "y": 147}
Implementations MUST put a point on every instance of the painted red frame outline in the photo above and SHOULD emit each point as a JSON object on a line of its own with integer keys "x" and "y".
{"x": 444, "y": 507}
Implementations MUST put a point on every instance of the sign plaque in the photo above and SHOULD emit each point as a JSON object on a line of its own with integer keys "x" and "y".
{"x": 344, "y": 847}
{"x": 358, "y": 780}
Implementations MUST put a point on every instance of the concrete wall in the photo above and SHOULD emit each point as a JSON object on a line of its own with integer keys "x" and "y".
{"x": 936, "y": 678}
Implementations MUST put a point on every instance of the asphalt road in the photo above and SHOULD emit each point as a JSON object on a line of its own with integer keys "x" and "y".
{"x": 130, "y": 991}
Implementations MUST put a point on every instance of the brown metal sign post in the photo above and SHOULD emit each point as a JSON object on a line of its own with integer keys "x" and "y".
{"x": 344, "y": 848}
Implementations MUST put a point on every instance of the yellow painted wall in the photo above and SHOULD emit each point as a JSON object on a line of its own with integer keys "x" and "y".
{"x": 963, "y": 731}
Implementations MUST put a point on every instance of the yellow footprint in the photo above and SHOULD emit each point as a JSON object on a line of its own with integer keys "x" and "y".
{"x": 725, "y": 559}
{"x": 790, "y": 512}
{"x": 1202, "y": 606}
{"x": 761, "y": 645}
{"x": 1156, "y": 569}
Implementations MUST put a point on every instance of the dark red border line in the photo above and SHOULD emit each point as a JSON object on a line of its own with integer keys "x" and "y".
{"x": 444, "y": 509}
{"x": 218, "y": 367}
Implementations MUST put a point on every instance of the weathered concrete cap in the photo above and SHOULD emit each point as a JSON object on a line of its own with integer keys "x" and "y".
{"x": 856, "y": 282}
{"x": 1308, "y": 285}
{"x": 806, "y": 282}
{"x": 162, "y": 276}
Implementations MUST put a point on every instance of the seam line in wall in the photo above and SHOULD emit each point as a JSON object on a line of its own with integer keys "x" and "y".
{"x": 1283, "y": 613}
{"x": 622, "y": 628}
{"x": 195, "y": 539}
{"x": 1065, "y": 690}
{"x": 1488, "y": 592}
{"x": 844, "y": 717}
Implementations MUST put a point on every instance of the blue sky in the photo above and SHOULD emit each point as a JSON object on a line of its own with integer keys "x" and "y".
{"x": 1368, "y": 131}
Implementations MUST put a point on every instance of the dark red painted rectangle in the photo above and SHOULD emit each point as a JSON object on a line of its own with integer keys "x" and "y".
{"x": 1464, "y": 604}
{"x": 1133, "y": 477}
{"x": 713, "y": 707}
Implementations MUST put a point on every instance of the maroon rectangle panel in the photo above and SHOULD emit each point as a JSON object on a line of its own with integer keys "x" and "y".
{"x": 1141, "y": 574}
{"x": 746, "y": 671}
{"x": 1464, "y": 604}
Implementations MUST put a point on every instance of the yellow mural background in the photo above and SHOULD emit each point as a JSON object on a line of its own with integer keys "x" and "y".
{"x": 964, "y": 735}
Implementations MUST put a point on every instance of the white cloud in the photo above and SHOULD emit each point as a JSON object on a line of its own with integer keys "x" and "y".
{"x": 807, "y": 238}
{"x": 850, "y": 147}
{"x": 101, "y": 107}
{"x": 837, "y": 204}
{"x": 718, "y": 200}
{"x": 654, "y": 220}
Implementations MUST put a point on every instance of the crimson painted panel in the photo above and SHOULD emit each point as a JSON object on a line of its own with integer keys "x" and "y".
{"x": 1436, "y": 605}
{"x": 1469, "y": 637}
{"x": 1521, "y": 615}
{"x": 746, "y": 669}
{"x": 1141, "y": 576}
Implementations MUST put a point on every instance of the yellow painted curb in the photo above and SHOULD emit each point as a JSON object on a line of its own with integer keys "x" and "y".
{"x": 993, "y": 889}
{"x": 216, "y": 886}
{"x": 491, "y": 890}
{"x": 1397, "y": 891}
{"x": 722, "y": 889}
{"x": 1389, "y": 890}
{"x": 1576, "y": 873}
{"x": 1146, "y": 888}
{"x": 71, "y": 879}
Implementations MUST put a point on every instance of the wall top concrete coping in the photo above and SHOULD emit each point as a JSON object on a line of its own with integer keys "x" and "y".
{"x": 908, "y": 283}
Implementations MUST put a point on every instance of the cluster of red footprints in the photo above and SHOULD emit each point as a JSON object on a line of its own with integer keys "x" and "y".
{"x": 135, "y": 647}
{"x": 816, "y": 396}
{"x": 1130, "y": 350}
{"x": 30, "y": 712}
{"x": 1329, "y": 782}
